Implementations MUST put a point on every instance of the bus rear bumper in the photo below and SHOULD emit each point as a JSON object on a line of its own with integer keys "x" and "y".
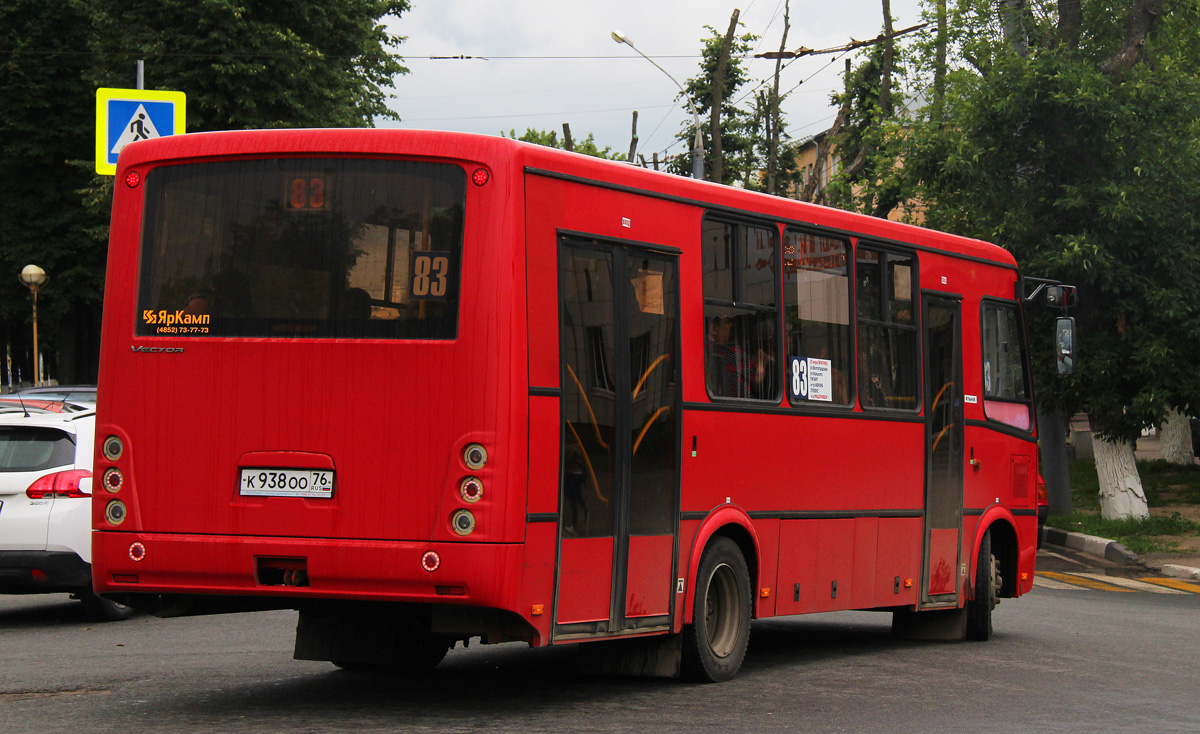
{"x": 470, "y": 574}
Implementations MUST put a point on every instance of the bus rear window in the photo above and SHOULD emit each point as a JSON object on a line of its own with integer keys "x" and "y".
{"x": 302, "y": 247}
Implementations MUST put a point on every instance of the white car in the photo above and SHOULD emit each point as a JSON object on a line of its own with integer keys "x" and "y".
{"x": 45, "y": 502}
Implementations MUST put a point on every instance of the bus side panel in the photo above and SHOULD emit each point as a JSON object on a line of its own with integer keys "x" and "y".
{"x": 583, "y": 594}
{"x": 797, "y": 567}
{"x": 537, "y": 587}
{"x": 899, "y": 561}
{"x": 544, "y": 432}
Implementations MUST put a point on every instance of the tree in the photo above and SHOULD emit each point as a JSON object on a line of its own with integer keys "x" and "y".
{"x": 242, "y": 63}
{"x": 737, "y": 159}
{"x": 1072, "y": 139}
{"x": 549, "y": 138}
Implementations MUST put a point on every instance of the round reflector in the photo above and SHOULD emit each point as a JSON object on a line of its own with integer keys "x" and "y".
{"x": 430, "y": 561}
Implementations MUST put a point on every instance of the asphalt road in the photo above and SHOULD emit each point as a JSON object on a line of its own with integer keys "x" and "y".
{"x": 1062, "y": 660}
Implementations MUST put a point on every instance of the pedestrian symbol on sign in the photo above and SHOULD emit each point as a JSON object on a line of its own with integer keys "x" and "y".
{"x": 125, "y": 116}
{"x": 139, "y": 127}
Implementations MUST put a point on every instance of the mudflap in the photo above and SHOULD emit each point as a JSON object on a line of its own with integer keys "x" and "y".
{"x": 949, "y": 625}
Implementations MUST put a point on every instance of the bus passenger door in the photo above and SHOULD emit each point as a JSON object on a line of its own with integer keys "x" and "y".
{"x": 619, "y": 491}
{"x": 943, "y": 451}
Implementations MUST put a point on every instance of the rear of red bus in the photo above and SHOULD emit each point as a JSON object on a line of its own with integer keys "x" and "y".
{"x": 311, "y": 384}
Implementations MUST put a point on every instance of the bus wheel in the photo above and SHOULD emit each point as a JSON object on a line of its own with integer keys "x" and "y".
{"x": 714, "y": 644}
{"x": 987, "y": 586}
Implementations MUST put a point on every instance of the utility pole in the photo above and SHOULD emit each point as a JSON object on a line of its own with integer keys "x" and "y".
{"x": 773, "y": 116}
{"x": 718, "y": 98}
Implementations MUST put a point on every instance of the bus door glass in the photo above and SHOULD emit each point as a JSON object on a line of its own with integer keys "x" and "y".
{"x": 620, "y": 468}
{"x": 944, "y": 450}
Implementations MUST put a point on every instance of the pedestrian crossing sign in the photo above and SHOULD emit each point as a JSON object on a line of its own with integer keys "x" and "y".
{"x": 126, "y": 115}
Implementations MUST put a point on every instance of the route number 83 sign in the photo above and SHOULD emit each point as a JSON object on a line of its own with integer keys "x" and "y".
{"x": 430, "y": 275}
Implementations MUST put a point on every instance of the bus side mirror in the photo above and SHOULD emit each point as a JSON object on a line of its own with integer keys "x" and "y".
{"x": 1064, "y": 345}
{"x": 1060, "y": 296}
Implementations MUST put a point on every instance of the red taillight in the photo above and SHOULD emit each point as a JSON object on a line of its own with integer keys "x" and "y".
{"x": 1041, "y": 490}
{"x": 132, "y": 179}
{"x": 480, "y": 177}
{"x": 59, "y": 484}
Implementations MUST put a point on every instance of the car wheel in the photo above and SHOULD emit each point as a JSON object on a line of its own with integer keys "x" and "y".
{"x": 99, "y": 609}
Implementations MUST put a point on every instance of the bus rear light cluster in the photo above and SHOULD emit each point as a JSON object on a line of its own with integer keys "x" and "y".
{"x": 431, "y": 561}
{"x": 471, "y": 490}
{"x": 137, "y": 552}
{"x": 463, "y": 522}
{"x": 113, "y": 480}
{"x": 115, "y": 512}
{"x": 113, "y": 447}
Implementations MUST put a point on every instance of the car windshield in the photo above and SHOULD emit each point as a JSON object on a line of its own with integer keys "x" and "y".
{"x": 30, "y": 448}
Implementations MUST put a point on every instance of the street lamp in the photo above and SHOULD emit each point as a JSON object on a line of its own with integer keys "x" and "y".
{"x": 698, "y": 146}
{"x": 34, "y": 277}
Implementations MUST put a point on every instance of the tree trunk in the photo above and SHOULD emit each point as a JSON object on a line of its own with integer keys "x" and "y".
{"x": 939, "y": 67}
{"x": 1012, "y": 17}
{"x": 718, "y": 93}
{"x": 1055, "y": 466}
{"x": 1175, "y": 439}
{"x": 1121, "y": 495}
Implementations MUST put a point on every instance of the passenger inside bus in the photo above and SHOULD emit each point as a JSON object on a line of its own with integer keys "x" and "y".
{"x": 731, "y": 372}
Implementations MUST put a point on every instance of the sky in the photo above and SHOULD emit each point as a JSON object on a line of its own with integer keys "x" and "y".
{"x": 540, "y": 63}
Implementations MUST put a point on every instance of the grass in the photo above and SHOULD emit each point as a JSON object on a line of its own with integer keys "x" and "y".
{"x": 1164, "y": 484}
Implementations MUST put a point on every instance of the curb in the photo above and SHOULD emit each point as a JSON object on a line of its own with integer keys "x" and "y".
{"x": 1111, "y": 550}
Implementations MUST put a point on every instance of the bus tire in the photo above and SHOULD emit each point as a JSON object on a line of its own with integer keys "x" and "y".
{"x": 714, "y": 644}
{"x": 99, "y": 609}
{"x": 987, "y": 586}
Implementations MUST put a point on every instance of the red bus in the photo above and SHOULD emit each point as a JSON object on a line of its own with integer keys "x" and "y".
{"x": 427, "y": 386}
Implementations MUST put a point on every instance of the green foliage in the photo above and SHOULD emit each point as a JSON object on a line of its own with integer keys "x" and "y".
{"x": 1088, "y": 172}
{"x": 255, "y": 63}
{"x": 1139, "y": 536}
{"x": 242, "y": 63}
{"x": 740, "y": 162}
{"x": 549, "y": 138}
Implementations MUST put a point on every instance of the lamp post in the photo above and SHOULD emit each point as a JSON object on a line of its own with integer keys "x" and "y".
{"x": 34, "y": 277}
{"x": 698, "y": 146}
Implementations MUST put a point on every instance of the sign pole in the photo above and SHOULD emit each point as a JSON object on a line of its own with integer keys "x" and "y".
{"x": 141, "y": 74}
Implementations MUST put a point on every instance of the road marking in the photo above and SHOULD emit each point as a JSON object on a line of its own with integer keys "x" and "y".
{"x": 1183, "y": 586}
{"x": 1062, "y": 557}
{"x": 1041, "y": 581}
{"x": 1078, "y": 580}
{"x": 1131, "y": 584}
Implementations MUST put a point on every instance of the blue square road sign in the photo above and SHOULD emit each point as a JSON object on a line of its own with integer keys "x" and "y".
{"x": 124, "y": 116}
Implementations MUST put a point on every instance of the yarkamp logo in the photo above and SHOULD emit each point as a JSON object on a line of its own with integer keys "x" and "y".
{"x": 158, "y": 350}
{"x": 167, "y": 318}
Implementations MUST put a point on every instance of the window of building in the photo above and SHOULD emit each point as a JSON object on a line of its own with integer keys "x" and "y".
{"x": 818, "y": 337}
{"x": 888, "y": 365}
{"x": 1005, "y": 379}
{"x": 740, "y": 284}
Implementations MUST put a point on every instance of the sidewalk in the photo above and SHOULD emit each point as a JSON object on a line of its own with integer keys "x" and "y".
{"x": 1173, "y": 565}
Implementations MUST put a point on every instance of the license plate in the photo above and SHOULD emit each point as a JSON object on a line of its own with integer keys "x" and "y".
{"x": 286, "y": 483}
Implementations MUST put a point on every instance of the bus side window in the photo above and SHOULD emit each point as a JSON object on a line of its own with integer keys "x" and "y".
{"x": 887, "y": 332}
